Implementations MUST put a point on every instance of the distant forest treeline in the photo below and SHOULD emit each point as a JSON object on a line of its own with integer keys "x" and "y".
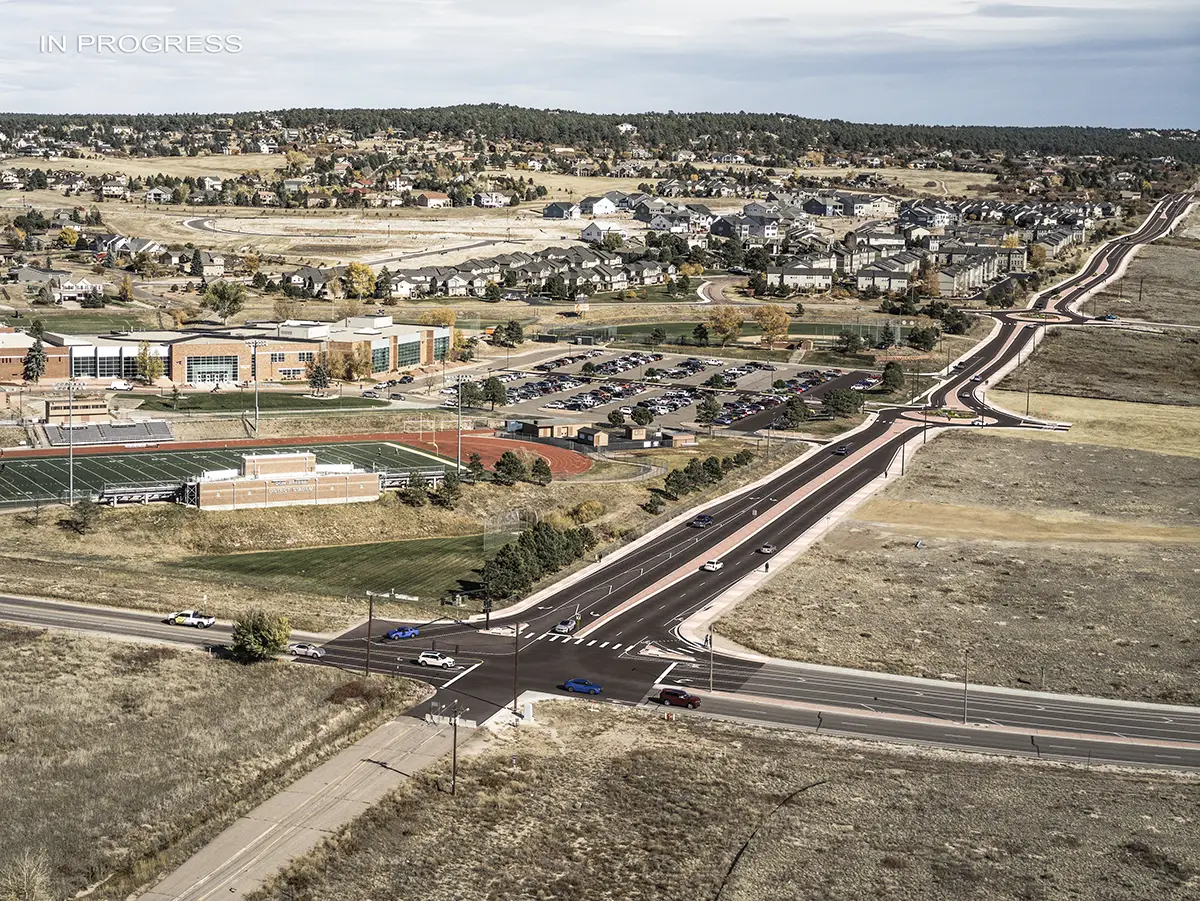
{"x": 765, "y": 133}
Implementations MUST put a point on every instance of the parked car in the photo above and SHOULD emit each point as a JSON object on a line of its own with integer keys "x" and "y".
{"x": 306, "y": 650}
{"x": 370, "y": 394}
{"x": 677, "y": 697}
{"x": 191, "y": 618}
{"x": 566, "y": 627}
{"x": 120, "y": 385}
{"x": 435, "y": 658}
{"x": 404, "y": 380}
{"x": 582, "y": 686}
{"x": 403, "y": 632}
{"x": 712, "y": 566}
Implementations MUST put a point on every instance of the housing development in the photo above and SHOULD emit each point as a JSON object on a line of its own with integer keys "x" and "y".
{"x": 490, "y": 501}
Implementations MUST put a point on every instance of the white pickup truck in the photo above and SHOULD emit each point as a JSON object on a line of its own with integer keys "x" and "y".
{"x": 191, "y": 618}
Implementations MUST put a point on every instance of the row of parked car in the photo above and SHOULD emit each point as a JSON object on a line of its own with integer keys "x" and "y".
{"x": 551, "y": 365}
{"x": 627, "y": 362}
{"x": 600, "y": 395}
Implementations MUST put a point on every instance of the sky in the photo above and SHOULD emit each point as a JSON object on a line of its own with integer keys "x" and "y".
{"x": 1075, "y": 62}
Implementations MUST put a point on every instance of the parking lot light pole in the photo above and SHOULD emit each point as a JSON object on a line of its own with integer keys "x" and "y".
{"x": 255, "y": 344}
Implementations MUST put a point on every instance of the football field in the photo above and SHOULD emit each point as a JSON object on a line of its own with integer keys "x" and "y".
{"x": 31, "y": 479}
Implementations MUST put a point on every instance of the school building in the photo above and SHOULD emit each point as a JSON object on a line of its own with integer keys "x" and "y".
{"x": 282, "y": 480}
{"x": 263, "y": 351}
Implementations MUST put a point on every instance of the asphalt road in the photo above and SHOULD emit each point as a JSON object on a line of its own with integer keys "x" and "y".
{"x": 630, "y": 608}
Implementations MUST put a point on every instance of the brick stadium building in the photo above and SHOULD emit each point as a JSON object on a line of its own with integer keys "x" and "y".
{"x": 266, "y": 351}
{"x": 283, "y": 480}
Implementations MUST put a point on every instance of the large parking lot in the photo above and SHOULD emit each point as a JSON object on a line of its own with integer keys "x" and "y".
{"x": 588, "y": 384}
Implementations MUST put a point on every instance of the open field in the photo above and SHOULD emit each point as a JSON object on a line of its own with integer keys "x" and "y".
{"x": 113, "y": 318}
{"x": 1166, "y": 278}
{"x": 179, "y": 166}
{"x": 1114, "y": 364}
{"x": 428, "y": 568}
{"x": 110, "y": 564}
{"x": 24, "y": 480}
{"x": 236, "y": 401}
{"x": 533, "y": 819}
{"x": 129, "y": 756}
{"x": 1063, "y": 566}
{"x": 1150, "y": 427}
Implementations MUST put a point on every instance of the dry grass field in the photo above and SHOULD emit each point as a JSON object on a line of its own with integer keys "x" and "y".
{"x": 1114, "y": 364}
{"x": 1157, "y": 428}
{"x": 110, "y": 565}
{"x": 603, "y": 803}
{"x": 1068, "y": 566}
{"x": 1164, "y": 276}
{"x": 120, "y": 759}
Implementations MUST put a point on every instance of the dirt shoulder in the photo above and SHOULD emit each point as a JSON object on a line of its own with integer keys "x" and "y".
{"x": 534, "y": 815}
{"x": 130, "y": 756}
{"x": 1068, "y": 567}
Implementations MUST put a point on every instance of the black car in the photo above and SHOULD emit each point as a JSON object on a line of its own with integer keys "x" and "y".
{"x": 841, "y": 450}
{"x": 703, "y": 521}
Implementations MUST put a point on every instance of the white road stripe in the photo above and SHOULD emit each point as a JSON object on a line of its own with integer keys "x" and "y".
{"x": 616, "y": 647}
{"x": 604, "y": 645}
{"x": 665, "y": 673}
{"x": 460, "y": 675}
{"x": 578, "y": 641}
{"x": 590, "y": 643}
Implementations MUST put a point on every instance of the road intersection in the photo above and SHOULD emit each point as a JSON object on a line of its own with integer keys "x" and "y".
{"x": 631, "y": 606}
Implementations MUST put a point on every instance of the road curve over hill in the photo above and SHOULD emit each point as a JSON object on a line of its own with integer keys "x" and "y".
{"x": 630, "y": 606}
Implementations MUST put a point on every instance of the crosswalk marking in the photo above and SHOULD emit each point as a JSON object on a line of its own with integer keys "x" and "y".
{"x": 592, "y": 642}
{"x": 604, "y": 645}
{"x": 578, "y": 641}
{"x": 616, "y": 647}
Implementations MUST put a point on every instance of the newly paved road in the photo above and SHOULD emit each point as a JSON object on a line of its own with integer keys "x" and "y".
{"x": 630, "y": 605}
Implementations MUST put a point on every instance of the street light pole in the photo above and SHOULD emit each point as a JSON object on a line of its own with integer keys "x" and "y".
{"x": 516, "y": 661}
{"x": 710, "y": 660}
{"x": 966, "y": 651}
{"x": 458, "y": 456}
{"x": 370, "y": 623}
{"x": 71, "y": 440}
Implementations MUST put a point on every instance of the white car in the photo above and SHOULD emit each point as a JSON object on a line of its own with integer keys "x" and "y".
{"x": 306, "y": 650}
{"x": 191, "y": 618}
{"x": 435, "y": 658}
{"x": 566, "y": 627}
{"x": 120, "y": 385}
{"x": 712, "y": 566}
{"x": 713, "y": 362}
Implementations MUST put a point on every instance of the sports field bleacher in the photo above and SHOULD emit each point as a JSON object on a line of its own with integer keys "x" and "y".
{"x": 147, "y": 432}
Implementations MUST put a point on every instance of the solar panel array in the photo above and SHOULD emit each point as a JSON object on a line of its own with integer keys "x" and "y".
{"x": 148, "y": 432}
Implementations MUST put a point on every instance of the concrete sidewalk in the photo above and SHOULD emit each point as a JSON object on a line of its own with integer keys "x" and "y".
{"x": 291, "y": 823}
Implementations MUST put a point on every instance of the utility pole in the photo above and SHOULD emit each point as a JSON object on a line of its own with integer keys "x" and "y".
{"x": 966, "y": 651}
{"x": 1028, "y": 381}
{"x": 516, "y": 662}
{"x": 1141, "y": 284}
{"x": 458, "y": 456}
{"x": 255, "y": 344}
{"x": 370, "y": 623}
{"x": 710, "y": 660}
{"x": 71, "y": 440}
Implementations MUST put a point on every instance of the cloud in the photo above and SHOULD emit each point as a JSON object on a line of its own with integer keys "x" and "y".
{"x": 1070, "y": 61}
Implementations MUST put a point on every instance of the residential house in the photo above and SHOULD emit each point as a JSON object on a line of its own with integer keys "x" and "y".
{"x": 798, "y": 275}
{"x": 433, "y": 200}
{"x": 594, "y": 232}
{"x": 160, "y": 195}
{"x": 597, "y": 206}
{"x": 491, "y": 199}
{"x": 561, "y": 210}
{"x": 824, "y": 206}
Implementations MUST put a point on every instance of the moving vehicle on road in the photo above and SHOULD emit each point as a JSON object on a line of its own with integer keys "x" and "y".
{"x": 369, "y": 393}
{"x": 435, "y": 658}
{"x": 841, "y": 450}
{"x": 1108, "y": 317}
{"x": 306, "y": 650}
{"x": 403, "y": 632}
{"x": 191, "y": 618}
{"x": 582, "y": 686}
{"x": 677, "y": 697}
{"x": 566, "y": 627}
{"x": 712, "y": 566}
{"x": 703, "y": 521}
{"x": 767, "y": 549}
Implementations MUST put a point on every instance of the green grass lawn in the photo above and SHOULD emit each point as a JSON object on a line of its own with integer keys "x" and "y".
{"x": 84, "y": 321}
{"x": 429, "y": 568}
{"x": 236, "y": 401}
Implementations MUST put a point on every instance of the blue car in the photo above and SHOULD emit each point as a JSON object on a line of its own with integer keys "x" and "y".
{"x": 404, "y": 632}
{"x": 583, "y": 686}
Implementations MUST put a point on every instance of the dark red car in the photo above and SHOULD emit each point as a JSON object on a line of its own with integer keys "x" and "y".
{"x": 677, "y": 697}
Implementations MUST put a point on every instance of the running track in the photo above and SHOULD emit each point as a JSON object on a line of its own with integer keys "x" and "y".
{"x": 562, "y": 462}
